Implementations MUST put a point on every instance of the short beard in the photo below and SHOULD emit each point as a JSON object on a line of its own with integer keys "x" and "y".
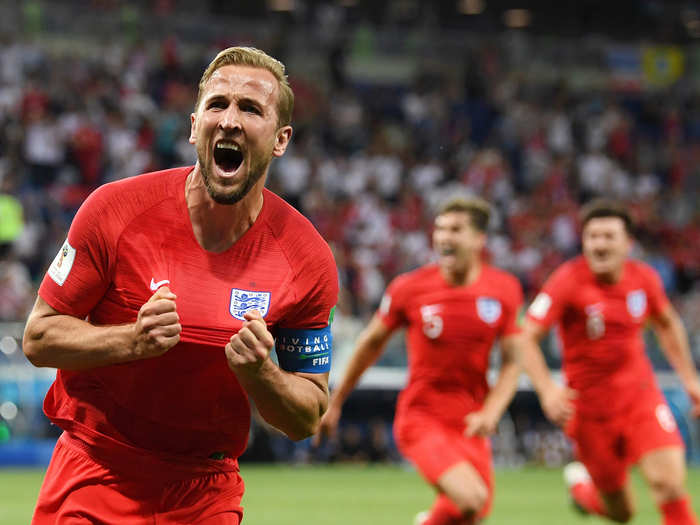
{"x": 257, "y": 170}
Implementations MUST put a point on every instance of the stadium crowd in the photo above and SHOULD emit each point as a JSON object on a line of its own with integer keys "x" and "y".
{"x": 368, "y": 162}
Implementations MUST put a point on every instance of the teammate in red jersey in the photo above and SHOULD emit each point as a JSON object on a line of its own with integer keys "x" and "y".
{"x": 612, "y": 407}
{"x": 161, "y": 310}
{"x": 454, "y": 311}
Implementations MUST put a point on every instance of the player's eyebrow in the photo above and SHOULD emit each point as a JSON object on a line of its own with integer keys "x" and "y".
{"x": 215, "y": 97}
{"x": 252, "y": 101}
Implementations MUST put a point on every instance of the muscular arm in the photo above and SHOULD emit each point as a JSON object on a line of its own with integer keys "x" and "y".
{"x": 369, "y": 346}
{"x": 53, "y": 339}
{"x": 292, "y": 402}
{"x": 674, "y": 343}
{"x": 555, "y": 400}
{"x": 485, "y": 421}
{"x": 533, "y": 360}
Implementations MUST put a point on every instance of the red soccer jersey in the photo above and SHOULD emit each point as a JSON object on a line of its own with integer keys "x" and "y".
{"x": 450, "y": 332}
{"x": 128, "y": 237}
{"x": 601, "y": 330}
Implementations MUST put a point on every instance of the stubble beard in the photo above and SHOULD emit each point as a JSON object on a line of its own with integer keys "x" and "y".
{"x": 222, "y": 196}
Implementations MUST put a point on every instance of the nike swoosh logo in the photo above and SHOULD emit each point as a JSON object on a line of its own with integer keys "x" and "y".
{"x": 156, "y": 285}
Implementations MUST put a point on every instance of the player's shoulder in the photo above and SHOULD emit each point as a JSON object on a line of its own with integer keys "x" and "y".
{"x": 416, "y": 281}
{"x": 500, "y": 284}
{"x": 287, "y": 224}
{"x": 112, "y": 207}
{"x": 499, "y": 276}
{"x": 296, "y": 235}
{"x": 577, "y": 268}
{"x": 418, "y": 277}
{"x": 639, "y": 267}
{"x": 136, "y": 194}
{"x": 640, "y": 273}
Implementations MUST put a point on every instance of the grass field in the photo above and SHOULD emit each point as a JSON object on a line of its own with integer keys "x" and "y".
{"x": 352, "y": 495}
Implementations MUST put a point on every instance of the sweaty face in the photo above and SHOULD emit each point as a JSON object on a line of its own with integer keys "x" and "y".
{"x": 606, "y": 245}
{"x": 456, "y": 241}
{"x": 235, "y": 130}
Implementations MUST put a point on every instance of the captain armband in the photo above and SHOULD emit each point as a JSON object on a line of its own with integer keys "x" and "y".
{"x": 304, "y": 350}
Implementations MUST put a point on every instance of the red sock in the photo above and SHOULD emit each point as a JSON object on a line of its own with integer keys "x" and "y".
{"x": 586, "y": 495}
{"x": 444, "y": 512}
{"x": 678, "y": 512}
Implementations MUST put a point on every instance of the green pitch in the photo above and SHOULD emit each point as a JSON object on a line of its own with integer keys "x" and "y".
{"x": 382, "y": 495}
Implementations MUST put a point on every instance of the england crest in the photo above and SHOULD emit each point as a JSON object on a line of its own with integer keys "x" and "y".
{"x": 243, "y": 301}
{"x": 636, "y": 303}
{"x": 489, "y": 309}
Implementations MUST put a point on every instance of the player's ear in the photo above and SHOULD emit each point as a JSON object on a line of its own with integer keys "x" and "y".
{"x": 629, "y": 243}
{"x": 483, "y": 238}
{"x": 284, "y": 135}
{"x": 193, "y": 127}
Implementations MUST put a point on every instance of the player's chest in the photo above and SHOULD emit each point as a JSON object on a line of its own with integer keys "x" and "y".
{"x": 610, "y": 310}
{"x": 455, "y": 314}
{"x": 214, "y": 291}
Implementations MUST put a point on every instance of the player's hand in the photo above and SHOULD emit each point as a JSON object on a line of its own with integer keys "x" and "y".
{"x": 480, "y": 423}
{"x": 557, "y": 404}
{"x": 248, "y": 350}
{"x": 329, "y": 424}
{"x": 157, "y": 328}
{"x": 693, "y": 390}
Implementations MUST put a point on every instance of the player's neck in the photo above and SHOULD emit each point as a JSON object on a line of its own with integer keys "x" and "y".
{"x": 464, "y": 275}
{"x": 611, "y": 277}
{"x": 218, "y": 226}
{"x": 608, "y": 277}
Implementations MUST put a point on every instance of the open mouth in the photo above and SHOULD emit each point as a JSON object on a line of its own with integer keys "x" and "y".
{"x": 227, "y": 156}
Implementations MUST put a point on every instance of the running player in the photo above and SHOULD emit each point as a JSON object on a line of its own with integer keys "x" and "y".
{"x": 160, "y": 312}
{"x": 612, "y": 407}
{"x": 453, "y": 311}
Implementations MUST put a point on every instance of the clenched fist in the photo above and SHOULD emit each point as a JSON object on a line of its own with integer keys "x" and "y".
{"x": 480, "y": 423}
{"x": 558, "y": 404}
{"x": 329, "y": 424}
{"x": 250, "y": 347}
{"x": 157, "y": 328}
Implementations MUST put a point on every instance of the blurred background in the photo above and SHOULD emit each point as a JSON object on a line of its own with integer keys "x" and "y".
{"x": 535, "y": 105}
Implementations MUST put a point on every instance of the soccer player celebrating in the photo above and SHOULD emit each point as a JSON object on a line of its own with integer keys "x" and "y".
{"x": 161, "y": 310}
{"x": 612, "y": 407}
{"x": 453, "y": 311}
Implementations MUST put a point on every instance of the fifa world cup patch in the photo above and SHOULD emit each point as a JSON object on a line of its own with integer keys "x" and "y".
{"x": 304, "y": 350}
{"x": 243, "y": 301}
{"x": 62, "y": 264}
{"x": 385, "y": 305}
{"x": 540, "y": 306}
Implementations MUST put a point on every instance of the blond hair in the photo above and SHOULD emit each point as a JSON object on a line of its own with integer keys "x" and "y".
{"x": 478, "y": 209}
{"x": 250, "y": 56}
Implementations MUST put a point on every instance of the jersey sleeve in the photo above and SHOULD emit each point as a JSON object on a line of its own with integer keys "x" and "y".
{"x": 513, "y": 304}
{"x": 303, "y": 340}
{"x": 81, "y": 272}
{"x": 658, "y": 300}
{"x": 548, "y": 306}
{"x": 392, "y": 307}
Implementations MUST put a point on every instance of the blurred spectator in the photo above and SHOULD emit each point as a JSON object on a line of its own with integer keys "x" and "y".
{"x": 16, "y": 289}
